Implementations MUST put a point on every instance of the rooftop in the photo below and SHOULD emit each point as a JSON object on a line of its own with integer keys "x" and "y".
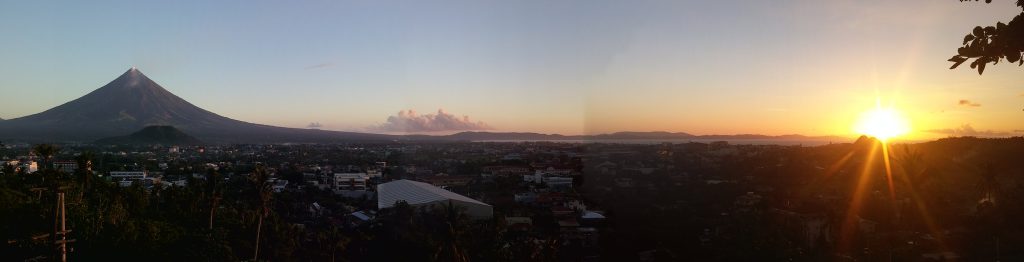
{"x": 415, "y": 193}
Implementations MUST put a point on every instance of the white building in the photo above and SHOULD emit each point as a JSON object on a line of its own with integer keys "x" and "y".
{"x": 351, "y": 184}
{"x": 419, "y": 194}
{"x": 373, "y": 173}
{"x": 127, "y": 178}
{"x": 548, "y": 179}
{"x": 30, "y": 167}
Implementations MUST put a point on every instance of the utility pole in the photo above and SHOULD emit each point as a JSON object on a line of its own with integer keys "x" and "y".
{"x": 62, "y": 243}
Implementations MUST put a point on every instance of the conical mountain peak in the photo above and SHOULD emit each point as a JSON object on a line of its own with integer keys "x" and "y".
{"x": 133, "y": 101}
{"x": 133, "y": 78}
{"x": 128, "y": 103}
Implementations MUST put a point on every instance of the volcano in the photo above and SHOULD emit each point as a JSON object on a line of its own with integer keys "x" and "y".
{"x": 133, "y": 101}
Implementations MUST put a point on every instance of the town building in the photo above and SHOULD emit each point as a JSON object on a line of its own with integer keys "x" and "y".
{"x": 29, "y": 167}
{"x": 65, "y": 166}
{"x": 351, "y": 184}
{"x": 127, "y": 178}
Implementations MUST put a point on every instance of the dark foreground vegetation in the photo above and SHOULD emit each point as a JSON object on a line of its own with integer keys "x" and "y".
{"x": 951, "y": 199}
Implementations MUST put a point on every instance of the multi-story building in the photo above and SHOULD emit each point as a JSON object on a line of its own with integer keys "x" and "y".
{"x": 127, "y": 178}
{"x": 351, "y": 184}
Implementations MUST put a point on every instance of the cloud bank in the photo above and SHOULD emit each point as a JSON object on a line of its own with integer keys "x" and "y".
{"x": 965, "y": 102}
{"x": 968, "y": 130}
{"x": 409, "y": 121}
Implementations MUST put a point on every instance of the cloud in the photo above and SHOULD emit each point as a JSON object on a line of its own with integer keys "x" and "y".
{"x": 409, "y": 121}
{"x": 968, "y": 130}
{"x": 318, "y": 66}
{"x": 965, "y": 102}
{"x": 314, "y": 125}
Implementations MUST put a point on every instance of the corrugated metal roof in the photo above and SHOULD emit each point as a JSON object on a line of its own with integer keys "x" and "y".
{"x": 415, "y": 193}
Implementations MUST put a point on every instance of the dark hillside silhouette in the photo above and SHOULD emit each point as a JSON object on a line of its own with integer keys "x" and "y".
{"x": 153, "y": 135}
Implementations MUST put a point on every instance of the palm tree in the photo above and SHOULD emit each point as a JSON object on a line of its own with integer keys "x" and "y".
{"x": 453, "y": 230}
{"x": 988, "y": 186}
{"x": 46, "y": 151}
{"x": 264, "y": 191}
{"x": 84, "y": 171}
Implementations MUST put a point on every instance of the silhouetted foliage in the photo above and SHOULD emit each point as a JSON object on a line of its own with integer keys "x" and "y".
{"x": 992, "y": 44}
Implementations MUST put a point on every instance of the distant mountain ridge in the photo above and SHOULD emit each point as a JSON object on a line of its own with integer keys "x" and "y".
{"x": 132, "y": 102}
{"x": 153, "y": 135}
{"x": 655, "y": 135}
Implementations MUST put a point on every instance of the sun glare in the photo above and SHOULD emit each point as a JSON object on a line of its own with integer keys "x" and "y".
{"x": 882, "y": 123}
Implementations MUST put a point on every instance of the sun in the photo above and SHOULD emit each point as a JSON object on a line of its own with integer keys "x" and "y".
{"x": 882, "y": 123}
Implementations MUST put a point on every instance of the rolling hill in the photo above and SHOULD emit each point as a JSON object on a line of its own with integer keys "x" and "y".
{"x": 153, "y": 135}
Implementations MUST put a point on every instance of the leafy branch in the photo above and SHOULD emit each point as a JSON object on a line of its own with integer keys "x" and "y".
{"x": 992, "y": 44}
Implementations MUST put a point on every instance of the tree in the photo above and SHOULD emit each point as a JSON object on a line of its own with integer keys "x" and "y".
{"x": 988, "y": 186}
{"x": 451, "y": 230}
{"x": 8, "y": 169}
{"x": 992, "y": 44}
{"x": 333, "y": 241}
{"x": 46, "y": 152}
{"x": 84, "y": 173}
{"x": 213, "y": 191}
{"x": 263, "y": 190}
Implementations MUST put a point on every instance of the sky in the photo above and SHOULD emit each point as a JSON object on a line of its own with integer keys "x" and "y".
{"x": 569, "y": 67}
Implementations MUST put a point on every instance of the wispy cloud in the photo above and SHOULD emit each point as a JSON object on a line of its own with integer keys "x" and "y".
{"x": 968, "y": 130}
{"x": 968, "y": 103}
{"x": 409, "y": 121}
{"x": 318, "y": 66}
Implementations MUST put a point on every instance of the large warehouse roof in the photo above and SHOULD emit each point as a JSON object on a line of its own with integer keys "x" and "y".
{"x": 416, "y": 193}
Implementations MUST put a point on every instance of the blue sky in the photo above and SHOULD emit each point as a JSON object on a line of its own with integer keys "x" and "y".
{"x": 773, "y": 67}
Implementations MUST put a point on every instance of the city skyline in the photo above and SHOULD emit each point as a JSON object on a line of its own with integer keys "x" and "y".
{"x": 710, "y": 68}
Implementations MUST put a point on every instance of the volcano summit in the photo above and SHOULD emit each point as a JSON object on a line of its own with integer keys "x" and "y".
{"x": 133, "y": 101}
